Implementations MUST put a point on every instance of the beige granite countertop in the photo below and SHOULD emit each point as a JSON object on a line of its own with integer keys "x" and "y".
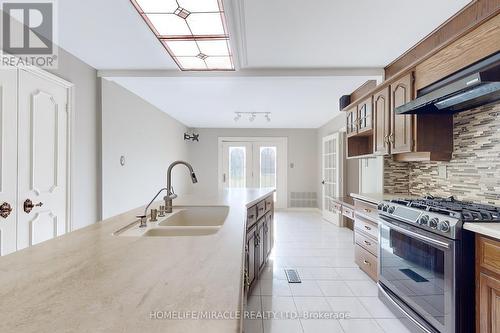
{"x": 486, "y": 229}
{"x": 92, "y": 281}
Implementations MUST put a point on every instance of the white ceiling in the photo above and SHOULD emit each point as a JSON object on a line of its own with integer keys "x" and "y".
{"x": 295, "y": 102}
{"x": 336, "y": 33}
{"x": 265, "y": 34}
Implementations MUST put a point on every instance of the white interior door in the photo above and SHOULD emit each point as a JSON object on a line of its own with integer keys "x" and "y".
{"x": 8, "y": 159}
{"x": 257, "y": 163}
{"x": 43, "y": 158}
{"x": 331, "y": 170}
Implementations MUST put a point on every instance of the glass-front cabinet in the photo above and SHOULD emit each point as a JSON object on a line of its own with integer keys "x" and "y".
{"x": 365, "y": 119}
{"x": 352, "y": 122}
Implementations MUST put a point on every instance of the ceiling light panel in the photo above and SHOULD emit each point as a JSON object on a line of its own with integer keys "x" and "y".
{"x": 194, "y": 32}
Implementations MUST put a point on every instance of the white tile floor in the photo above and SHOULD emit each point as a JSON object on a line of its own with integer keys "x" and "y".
{"x": 323, "y": 254}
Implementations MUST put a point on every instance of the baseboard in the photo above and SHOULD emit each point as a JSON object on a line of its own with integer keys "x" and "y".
{"x": 298, "y": 209}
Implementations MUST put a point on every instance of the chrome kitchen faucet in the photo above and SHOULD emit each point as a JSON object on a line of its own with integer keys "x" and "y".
{"x": 170, "y": 190}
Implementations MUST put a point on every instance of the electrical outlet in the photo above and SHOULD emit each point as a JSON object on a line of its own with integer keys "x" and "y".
{"x": 442, "y": 171}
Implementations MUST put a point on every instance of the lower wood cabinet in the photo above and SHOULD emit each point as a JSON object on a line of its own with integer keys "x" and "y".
{"x": 366, "y": 237}
{"x": 487, "y": 285}
{"x": 366, "y": 261}
{"x": 259, "y": 240}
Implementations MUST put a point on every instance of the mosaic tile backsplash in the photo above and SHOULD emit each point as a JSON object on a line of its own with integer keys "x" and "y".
{"x": 472, "y": 174}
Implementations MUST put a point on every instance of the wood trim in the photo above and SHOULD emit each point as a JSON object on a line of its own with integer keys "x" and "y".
{"x": 460, "y": 24}
{"x": 478, "y": 44}
{"x": 367, "y": 87}
{"x": 422, "y": 156}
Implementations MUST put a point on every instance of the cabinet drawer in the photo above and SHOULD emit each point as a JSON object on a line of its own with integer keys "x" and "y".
{"x": 366, "y": 227}
{"x": 367, "y": 243}
{"x": 366, "y": 261}
{"x": 489, "y": 254}
{"x": 348, "y": 212}
{"x": 336, "y": 206}
{"x": 261, "y": 209}
{"x": 251, "y": 216}
{"x": 367, "y": 209}
{"x": 269, "y": 203}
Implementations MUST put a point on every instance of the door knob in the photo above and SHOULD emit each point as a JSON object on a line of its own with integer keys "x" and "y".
{"x": 5, "y": 210}
{"x": 323, "y": 182}
{"x": 29, "y": 205}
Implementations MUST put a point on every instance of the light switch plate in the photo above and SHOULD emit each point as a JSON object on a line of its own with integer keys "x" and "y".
{"x": 442, "y": 171}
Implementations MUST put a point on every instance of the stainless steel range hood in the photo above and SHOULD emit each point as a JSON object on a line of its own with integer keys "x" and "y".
{"x": 476, "y": 85}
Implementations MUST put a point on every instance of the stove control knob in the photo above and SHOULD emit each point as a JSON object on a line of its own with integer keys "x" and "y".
{"x": 433, "y": 223}
{"x": 444, "y": 226}
{"x": 391, "y": 209}
{"x": 380, "y": 206}
{"x": 423, "y": 220}
{"x": 385, "y": 208}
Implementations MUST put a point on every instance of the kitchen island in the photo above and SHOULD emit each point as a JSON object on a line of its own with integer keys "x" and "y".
{"x": 90, "y": 280}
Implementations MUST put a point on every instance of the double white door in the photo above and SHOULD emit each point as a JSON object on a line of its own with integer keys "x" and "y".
{"x": 256, "y": 164}
{"x": 34, "y": 158}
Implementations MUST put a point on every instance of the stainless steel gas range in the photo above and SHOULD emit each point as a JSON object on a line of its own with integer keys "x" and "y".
{"x": 426, "y": 269}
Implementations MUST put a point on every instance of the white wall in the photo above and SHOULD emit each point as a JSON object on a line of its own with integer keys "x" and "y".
{"x": 351, "y": 183}
{"x": 149, "y": 139}
{"x": 302, "y": 152}
{"x": 85, "y": 187}
{"x": 371, "y": 171}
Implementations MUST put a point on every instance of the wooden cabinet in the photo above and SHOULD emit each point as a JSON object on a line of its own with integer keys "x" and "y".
{"x": 268, "y": 234}
{"x": 366, "y": 261}
{"x": 487, "y": 285}
{"x": 261, "y": 255}
{"x": 366, "y": 237}
{"x": 352, "y": 122}
{"x": 259, "y": 239}
{"x": 250, "y": 247}
{"x": 401, "y": 137}
{"x": 381, "y": 116}
{"x": 365, "y": 117}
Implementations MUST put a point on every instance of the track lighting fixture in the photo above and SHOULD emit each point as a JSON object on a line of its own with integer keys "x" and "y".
{"x": 252, "y": 116}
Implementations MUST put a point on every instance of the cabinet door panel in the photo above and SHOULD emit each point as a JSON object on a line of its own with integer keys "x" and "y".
{"x": 352, "y": 122}
{"x": 261, "y": 241}
{"x": 365, "y": 117}
{"x": 251, "y": 246}
{"x": 489, "y": 307}
{"x": 402, "y": 125}
{"x": 382, "y": 113}
{"x": 270, "y": 234}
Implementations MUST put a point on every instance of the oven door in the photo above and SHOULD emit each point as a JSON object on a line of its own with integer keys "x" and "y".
{"x": 418, "y": 267}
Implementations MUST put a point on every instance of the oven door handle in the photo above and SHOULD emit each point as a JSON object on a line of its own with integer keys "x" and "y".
{"x": 415, "y": 235}
{"x": 400, "y": 308}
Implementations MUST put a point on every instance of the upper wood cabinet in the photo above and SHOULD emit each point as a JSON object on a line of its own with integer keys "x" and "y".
{"x": 365, "y": 121}
{"x": 381, "y": 116}
{"x": 401, "y": 137}
{"x": 352, "y": 122}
